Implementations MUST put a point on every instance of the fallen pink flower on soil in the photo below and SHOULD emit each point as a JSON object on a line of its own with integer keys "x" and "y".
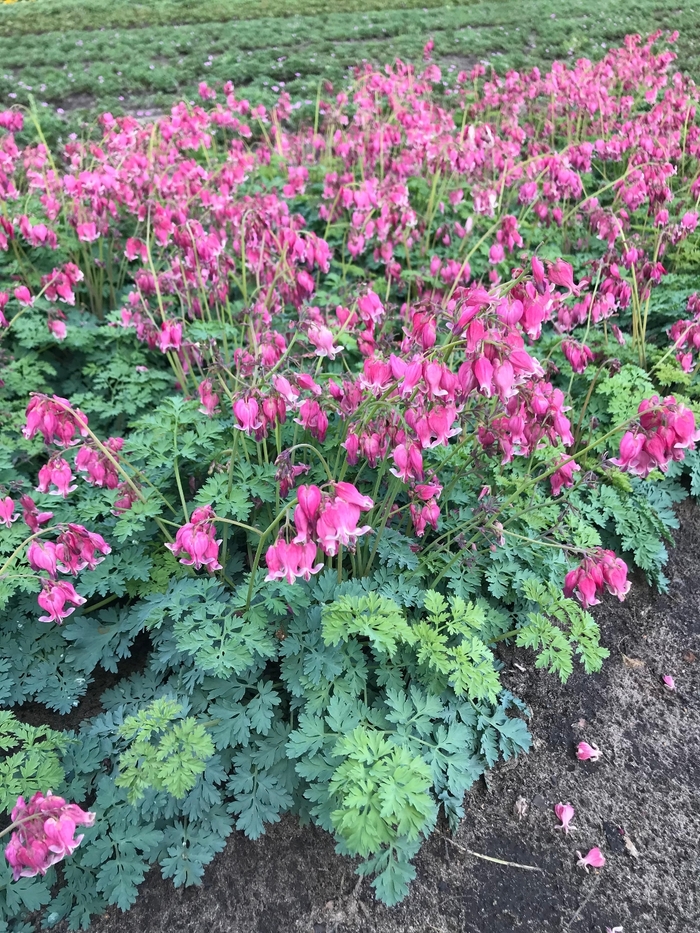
{"x": 594, "y": 858}
{"x": 565, "y": 813}
{"x": 586, "y": 752}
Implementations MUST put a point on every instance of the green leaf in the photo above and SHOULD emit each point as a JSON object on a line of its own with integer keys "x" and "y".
{"x": 373, "y": 617}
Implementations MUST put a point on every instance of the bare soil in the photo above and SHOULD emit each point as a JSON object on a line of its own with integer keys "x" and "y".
{"x": 644, "y": 790}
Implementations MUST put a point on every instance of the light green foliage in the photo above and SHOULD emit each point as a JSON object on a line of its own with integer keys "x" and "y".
{"x": 624, "y": 391}
{"x": 373, "y": 617}
{"x": 164, "y": 751}
{"x": 449, "y": 643}
{"x": 382, "y": 792}
{"x": 575, "y": 630}
{"x": 31, "y": 759}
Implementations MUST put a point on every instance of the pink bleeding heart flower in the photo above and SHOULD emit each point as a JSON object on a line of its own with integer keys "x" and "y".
{"x": 593, "y": 859}
{"x": 55, "y": 420}
{"x": 7, "y": 512}
{"x": 599, "y": 569}
{"x": 337, "y": 525}
{"x": 246, "y": 413}
{"x": 307, "y": 512}
{"x": 170, "y": 336}
{"x": 350, "y": 494}
{"x": 307, "y": 382}
{"x": 100, "y": 468}
{"x": 33, "y": 519}
{"x": 53, "y": 598}
{"x": 44, "y": 833}
{"x": 195, "y": 542}
{"x": 322, "y": 339}
{"x": 563, "y": 477}
{"x": 370, "y": 307}
{"x": 87, "y": 232}
{"x": 23, "y": 295}
{"x": 578, "y": 354}
{"x": 288, "y": 561}
{"x": 586, "y": 752}
{"x": 58, "y": 328}
{"x": 42, "y": 556}
{"x": 207, "y": 397}
{"x": 285, "y": 389}
{"x": 669, "y": 682}
{"x": 78, "y": 548}
{"x": 565, "y": 813}
{"x": 496, "y": 253}
{"x": 408, "y": 462}
{"x": 56, "y": 472}
{"x": 313, "y": 418}
{"x": 562, "y": 273}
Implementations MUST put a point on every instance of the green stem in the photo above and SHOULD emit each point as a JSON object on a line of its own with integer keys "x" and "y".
{"x": 178, "y": 479}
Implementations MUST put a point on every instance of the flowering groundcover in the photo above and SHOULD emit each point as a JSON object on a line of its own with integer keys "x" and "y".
{"x": 321, "y": 416}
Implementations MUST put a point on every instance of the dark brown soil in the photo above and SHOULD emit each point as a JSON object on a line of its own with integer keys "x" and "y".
{"x": 644, "y": 789}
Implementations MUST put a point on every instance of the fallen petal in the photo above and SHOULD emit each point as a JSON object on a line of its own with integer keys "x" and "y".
{"x": 593, "y": 858}
{"x": 586, "y": 752}
{"x": 565, "y": 813}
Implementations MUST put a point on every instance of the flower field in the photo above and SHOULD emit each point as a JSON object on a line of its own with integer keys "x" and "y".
{"x": 306, "y": 413}
{"x": 79, "y": 59}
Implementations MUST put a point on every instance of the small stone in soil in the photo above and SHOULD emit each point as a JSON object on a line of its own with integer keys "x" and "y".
{"x": 539, "y": 802}
{"x": 520, "y": 808}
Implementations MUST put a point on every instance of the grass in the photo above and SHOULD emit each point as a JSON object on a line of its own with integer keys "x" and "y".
{"x": 139, "y": 58}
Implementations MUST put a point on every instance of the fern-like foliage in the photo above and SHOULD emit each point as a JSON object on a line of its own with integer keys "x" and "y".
{"x": 449, "y": 644}
{"x": 370, "y": 616}
{"x": 557, "y": 628}
{"x": 31, "y": 759}
{"x": 165, "y": 751}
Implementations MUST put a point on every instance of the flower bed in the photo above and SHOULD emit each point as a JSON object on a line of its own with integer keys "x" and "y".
{"x": 312, "y": 420}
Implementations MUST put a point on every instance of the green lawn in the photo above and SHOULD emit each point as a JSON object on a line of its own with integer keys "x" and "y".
{"x": 141, "y": 57}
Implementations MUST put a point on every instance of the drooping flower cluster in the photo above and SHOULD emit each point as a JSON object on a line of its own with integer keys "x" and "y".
{"x": 600, "y": 569}
{"x": 55, "y": 420}
{"x": 325, "y": 520}
{"x": 665, "y": 431}
{"x": 74, "y": 550}
{"x": 685, "y": 335}
{"x": 43, "y": 833}
{"x": 195, "y": 542}
{"x": 100, "y": 464}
